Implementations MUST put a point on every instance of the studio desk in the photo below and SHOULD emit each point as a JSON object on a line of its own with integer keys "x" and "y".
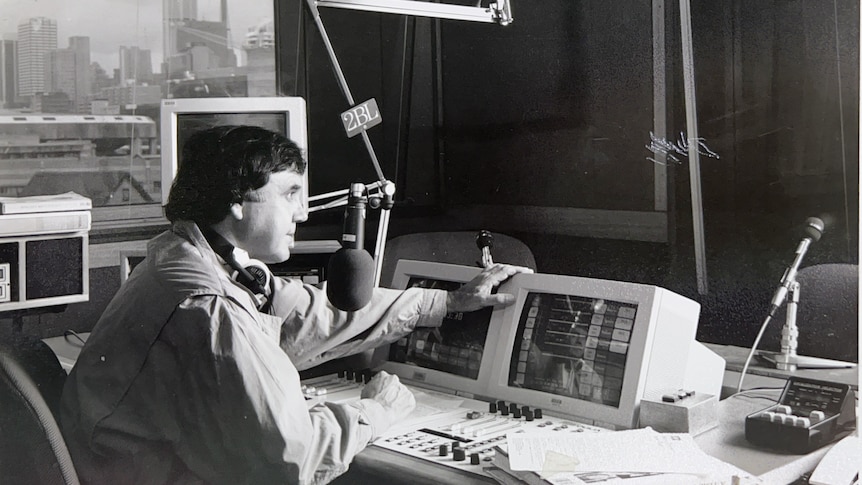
{"x": 377, "y": 466}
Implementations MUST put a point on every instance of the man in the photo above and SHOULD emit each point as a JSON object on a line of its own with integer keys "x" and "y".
{"x": 190, "y": 376}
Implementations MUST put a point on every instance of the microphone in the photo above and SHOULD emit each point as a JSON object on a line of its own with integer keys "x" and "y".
{"x": 350, "y": 272}
{"x": 814, "y": 228}
{"x": 485, "y": 241}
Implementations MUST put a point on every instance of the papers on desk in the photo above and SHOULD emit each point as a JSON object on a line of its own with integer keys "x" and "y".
{"x": 641, "y": 457}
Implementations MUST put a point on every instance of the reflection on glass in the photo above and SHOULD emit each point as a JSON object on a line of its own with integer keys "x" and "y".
{"x": 572, "y": 346}
{"x": 454, "y": 347}
{"x": 80, "y": 94}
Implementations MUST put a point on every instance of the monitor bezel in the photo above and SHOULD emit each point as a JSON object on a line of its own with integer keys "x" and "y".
{"x": 431, "y": 378}
{"x": 171, "y": 109}
{"x": 504, "y": 328}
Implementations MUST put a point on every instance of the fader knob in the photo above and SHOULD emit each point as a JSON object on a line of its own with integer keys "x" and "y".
{"x": 443, "y": 450}
{"x": 528, "y": 415}
{"x": 492, "y": 407}
{"x": 516, "y": 413}
{"x": 458, "y": 454}
{"x": 537, "y": 413}
{"x": 474, "y": 458}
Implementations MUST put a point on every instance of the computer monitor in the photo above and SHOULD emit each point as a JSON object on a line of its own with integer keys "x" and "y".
{"x": 181, "y": 117}
{"x": 593, "y": 349}
{"x": 453, "y": 356}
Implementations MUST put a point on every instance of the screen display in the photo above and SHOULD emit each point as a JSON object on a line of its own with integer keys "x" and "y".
{"x": 572, "y": 346}
{"x": 455, "y": 347}
{"x": 188, "y": 124}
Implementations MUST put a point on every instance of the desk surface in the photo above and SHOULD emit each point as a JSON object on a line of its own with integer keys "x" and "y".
{"x": 726, "y": 442}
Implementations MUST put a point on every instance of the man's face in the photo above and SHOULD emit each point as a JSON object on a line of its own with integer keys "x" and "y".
{"x": 269, "y": 220}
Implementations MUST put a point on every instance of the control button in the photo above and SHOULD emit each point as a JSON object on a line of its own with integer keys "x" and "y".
{"x": 513, "y": 407}
{"x": 776, "y": 418}
{"x": 802, "y": 422}
{"x": 524, "y": 410}
{"x": 443, "y": 450}
{"x": 492, "y": 407}
{"x": 816, "y": 416}
{"x": 538, "y": 413}
{"x": 458, "y": 454}
{"x": 783, "y": 409}
{"x": 528, "y": 415}
{"x": 516, "y": 413}
{"x": 767, "y": 415}
{"x": 504, "y": 410}
{"x": 474, "y": 458}
{"x": 455, "y": 445}
{"x": 502, "y": 405}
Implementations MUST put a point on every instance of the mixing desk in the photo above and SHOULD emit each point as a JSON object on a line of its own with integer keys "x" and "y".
{"x": 449, "y": 430}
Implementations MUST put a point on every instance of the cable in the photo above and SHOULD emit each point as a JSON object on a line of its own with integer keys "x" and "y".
{"x": 69, "y": 333}
{"x": 753, "y": 349}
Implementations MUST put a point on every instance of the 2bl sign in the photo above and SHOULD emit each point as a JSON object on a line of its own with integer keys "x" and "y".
{"x": 361, "y": 117}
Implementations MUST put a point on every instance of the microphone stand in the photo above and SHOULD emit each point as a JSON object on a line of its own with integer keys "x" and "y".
{"x": 382, "y": 197}
{"x": 499, "y": 12}
{"x": 787, "y": 359}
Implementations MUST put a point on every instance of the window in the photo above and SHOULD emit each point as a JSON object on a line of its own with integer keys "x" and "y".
{"x": 80, "y": 96}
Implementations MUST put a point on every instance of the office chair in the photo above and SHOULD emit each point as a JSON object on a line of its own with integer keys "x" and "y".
{"x": 458, "y": 247}
{"x": 827, "y": 315}
{"x": 32, "y": 449}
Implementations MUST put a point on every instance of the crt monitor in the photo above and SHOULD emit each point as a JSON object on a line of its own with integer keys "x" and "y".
{"x": 453, "y": 356}
{"x": 181, "y": 117}
{"x": 592, "y": 349}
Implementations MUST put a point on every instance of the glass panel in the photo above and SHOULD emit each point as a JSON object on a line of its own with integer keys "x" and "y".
{"x": 80, "y": 89}
{"x": 778, "y": 124}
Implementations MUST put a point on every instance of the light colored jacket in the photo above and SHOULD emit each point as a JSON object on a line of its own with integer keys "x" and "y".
{"x": 183, "y": 380}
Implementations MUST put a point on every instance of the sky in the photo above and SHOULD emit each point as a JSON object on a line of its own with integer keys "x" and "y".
{"x": 112, "y": 23}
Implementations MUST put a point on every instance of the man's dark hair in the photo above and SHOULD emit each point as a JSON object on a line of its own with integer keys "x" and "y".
{"x": 221, "y": 165}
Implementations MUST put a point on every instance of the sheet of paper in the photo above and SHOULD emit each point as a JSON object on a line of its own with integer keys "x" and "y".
{"x": 639, "y": 451}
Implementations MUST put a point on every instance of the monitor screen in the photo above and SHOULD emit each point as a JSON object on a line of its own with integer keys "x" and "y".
{"x": 452, "y": 356}
{"x": 573, "y": 346}
{"x": 455, "y": 347}
{"x": 181, "y": 117}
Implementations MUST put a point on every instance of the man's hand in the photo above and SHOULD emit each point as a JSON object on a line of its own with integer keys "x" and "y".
{"x": 391, "y": 394}
{"x": 476, "y": 294}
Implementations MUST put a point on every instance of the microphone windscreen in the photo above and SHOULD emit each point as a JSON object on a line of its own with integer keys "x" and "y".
{"x": 350, "y": 279}
{"x": 814, "y": 228}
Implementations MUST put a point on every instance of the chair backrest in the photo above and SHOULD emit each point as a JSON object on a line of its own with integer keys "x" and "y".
{"x": 32, "y": 449}
{"x": 827, "y": 314}
{"x": 457, "y": 247}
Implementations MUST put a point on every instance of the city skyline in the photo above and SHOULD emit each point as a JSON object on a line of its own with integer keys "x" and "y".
{"x": 134, "y": 23}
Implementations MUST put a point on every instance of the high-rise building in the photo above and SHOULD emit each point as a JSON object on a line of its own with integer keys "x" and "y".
{"x": 186, "y": 33}
{"x": 36, "y": 36}
{"x": 136, "y": 66}
{"x": 174, "y": 13}
{"x": 68, "y": 71}
{"x": 8, "y": 70}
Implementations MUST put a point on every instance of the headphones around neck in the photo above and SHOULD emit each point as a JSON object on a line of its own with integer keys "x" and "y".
{"x": 252, "y": 274}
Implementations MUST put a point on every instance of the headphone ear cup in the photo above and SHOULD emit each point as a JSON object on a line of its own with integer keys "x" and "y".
{"x": 256, "y": 277}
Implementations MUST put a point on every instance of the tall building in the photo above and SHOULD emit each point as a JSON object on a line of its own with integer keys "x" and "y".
{"x": 136, "y": 66}
{"x": 8, "y": 70}
{"x": 68, "y": 71}
{"x": 186, "y": 33}
{"x": 174, "y": 13}
{"x": 36, "y": 36}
